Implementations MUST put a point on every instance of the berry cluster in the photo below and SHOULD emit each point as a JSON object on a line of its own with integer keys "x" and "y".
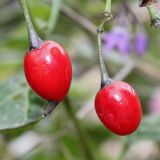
{"x": 48, "y": 71}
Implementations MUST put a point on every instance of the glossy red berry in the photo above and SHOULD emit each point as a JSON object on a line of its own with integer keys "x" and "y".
{"x": 119, "y": 108}
{"x": 48, "y": 71}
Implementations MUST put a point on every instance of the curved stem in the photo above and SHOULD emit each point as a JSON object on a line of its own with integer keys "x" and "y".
{"x": 128, "y": 10}
{"x": 154, "y": 15}
{"x": 76, "y": 17}
{"x": 82, "y": 138}
{"x": 54, "y": 13}
{"x": 34, "y": 39}
{"x": 105, "y": 80}
{"x": 104, "y": 74}
{"x": 123, "y": 151}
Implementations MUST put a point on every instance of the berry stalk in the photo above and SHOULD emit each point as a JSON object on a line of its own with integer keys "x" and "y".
{"x": 82, "y": 138}
{"x": 105, "y": 80}
{"x": 34, "y": 39}
{"x": 108, "y": 6}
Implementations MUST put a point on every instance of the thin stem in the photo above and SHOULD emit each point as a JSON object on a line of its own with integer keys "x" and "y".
{"x": 154, "y": 15}
{"x": 104, "y": 74}
{"x": 128, "y": 10}
{"x": 105, "y": 80}
{"x": 124, "y": 72}
{"x": 55, "y": 8}
{"x": 82, "y": 138}
{"x": 108, "y": 6}
{"x": 84, "y": 22}
{"x": 34, "y": 39}
{"x": 123, "y": 151}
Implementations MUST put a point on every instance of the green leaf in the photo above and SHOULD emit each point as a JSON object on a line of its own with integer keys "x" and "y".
{"x": 16, "y": 110}
{"x": 149, "y": 129}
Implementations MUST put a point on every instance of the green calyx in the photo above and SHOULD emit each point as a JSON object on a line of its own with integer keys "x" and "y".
{"x": 154, "y": 15}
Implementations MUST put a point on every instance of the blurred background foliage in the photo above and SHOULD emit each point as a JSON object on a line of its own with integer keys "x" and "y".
{"x": 72, "y": 24}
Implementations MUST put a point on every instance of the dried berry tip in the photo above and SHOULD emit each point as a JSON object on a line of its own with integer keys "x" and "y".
{"x": 51, "y": 106}
{"x": 144, "y": 3}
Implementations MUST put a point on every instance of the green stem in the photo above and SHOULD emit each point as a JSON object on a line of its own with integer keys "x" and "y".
{"x": 82, "y": 138}
{"x": 108, "y": 6}
{"x": 34, "y": 39}
{"x": 123, "y": 151}
{"x": 104, "y": 73}
{"x": 154, "y": 15}
{"x": 55, "y": 8}
{"x": 105, "y": 80}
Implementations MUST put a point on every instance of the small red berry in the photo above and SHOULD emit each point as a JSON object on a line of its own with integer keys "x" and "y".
{"x": 119, "y": 108}
{"x": 48, "y": 71}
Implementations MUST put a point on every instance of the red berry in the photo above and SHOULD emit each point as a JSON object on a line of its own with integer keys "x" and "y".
{"x": 48, "y": 71}
{"x": 119, "y": 108}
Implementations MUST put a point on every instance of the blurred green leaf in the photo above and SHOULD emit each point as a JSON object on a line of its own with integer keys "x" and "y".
{"x": 16, "y": 110}
{"x": 149, "y": 129}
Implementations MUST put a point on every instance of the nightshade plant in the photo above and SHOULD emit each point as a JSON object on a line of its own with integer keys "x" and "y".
{"x": 47, "y": 67}
{"x": 48, "y": 71}
{"x": 52, "y": 80}
{"x": 117, "y": 104}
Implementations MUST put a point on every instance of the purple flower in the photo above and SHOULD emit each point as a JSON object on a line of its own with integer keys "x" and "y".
{"x": 154, "y": 103}
{"x": 141, "y": 43}
{"x": 109, "y": 42}
{"x": 118, "y": 39}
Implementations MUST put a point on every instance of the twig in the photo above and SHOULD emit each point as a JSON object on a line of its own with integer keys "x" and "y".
{"x": 123, "y": 151}
{"x": 148, "y": 70}
{"x": 54, "y": 13}
{"x": 124, "y": 72}
{"x": 83, "y": 141}
{"x": 84, "y": 22}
